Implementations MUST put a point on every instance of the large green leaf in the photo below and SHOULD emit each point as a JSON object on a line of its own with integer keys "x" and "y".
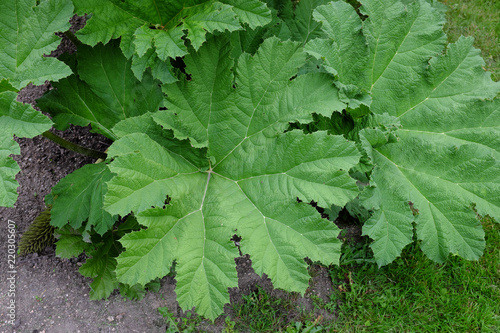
{"x": 248, "y": 184}
{"x": 446, "y": 160}
{"x": 103, "y": 92}
{"x": 78, "y": 197}
{"x": 22, "y": 121}
{"x": 152, "y": 31}
{"x": 27, "y": 33}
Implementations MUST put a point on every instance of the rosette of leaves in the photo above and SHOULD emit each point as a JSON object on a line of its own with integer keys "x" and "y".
{"x": 384, "y": 98}
{"x": 247, "y": 184}
{"x": 447, "y": 158}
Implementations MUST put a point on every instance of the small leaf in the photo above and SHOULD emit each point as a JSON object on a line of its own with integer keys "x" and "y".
{"x": 101, "y": 268}
{"x": 70, "y": 243}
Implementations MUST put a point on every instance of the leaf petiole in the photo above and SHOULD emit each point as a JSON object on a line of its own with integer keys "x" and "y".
{"x": 74, "y": 147}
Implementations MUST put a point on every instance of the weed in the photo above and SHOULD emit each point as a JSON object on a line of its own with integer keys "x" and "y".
{"x": 263, "y": 312}
{"x": 229, "y": 325}
{"x": 259, "y": 312}
{"x": 186, "y": 324}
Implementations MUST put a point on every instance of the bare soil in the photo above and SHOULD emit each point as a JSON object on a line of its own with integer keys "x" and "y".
{"x": 51, "y": 295}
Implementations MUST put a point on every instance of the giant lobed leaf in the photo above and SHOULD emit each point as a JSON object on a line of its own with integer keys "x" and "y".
{"x": 447, "y": 157}
{"x": 249, "y": 183}
{"x": 103, "y": 92}
{"x": 27, "y": 33}
{"x": 22, "y": 121}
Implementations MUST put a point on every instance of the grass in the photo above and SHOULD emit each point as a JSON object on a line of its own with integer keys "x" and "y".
{"x": 480, "y": 19}
{"x": 413, "y": 294}
{"x": 271, "y": 312}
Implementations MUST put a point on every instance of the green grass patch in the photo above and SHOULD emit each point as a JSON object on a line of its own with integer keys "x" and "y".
{"x": 260, "y": 312}
{"x": 414, "y": 294}
{"x": 480, "y": 19}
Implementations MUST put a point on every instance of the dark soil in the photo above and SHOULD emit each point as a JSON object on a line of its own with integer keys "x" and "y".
{"x": 51, "y": 295}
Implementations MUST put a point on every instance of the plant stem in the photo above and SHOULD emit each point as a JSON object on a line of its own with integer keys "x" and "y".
{"x": 74, "y": 147}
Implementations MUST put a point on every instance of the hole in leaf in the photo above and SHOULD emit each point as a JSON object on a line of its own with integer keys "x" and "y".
{"x": 237, "y": 239}
{"x": 166, "y": 202}
{"x": 179, "y": 63}
{"x": 319, "y": 209}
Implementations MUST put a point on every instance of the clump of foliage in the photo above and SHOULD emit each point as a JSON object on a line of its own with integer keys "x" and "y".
{"x": 228, "y": 117}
